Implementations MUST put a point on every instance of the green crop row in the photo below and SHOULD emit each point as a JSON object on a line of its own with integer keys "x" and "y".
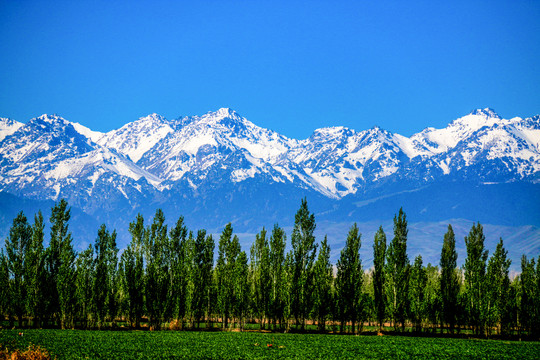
{"x": 78, "y": 344}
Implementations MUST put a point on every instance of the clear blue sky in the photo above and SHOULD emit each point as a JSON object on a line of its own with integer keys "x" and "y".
{"x": 291, "y": 66}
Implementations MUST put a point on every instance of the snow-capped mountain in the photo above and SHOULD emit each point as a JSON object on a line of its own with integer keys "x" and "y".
{"x": 49, "y": 157}
{"x": 219, "y": 146}
{"x": 220, "y": 167}
{"x": 135, "y": 139}
{"x": 8, "y": 127}
{"x": 49, "y": 152}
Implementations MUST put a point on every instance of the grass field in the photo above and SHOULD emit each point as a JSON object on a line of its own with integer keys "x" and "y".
{"x": 87, "y": 344}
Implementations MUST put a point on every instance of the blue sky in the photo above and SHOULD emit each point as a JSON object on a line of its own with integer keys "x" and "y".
{"x": 291, "y": 66}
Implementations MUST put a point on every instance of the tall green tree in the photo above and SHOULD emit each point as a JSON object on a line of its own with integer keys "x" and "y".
{"x": 475, "y": 272}
{"x": 37, "y": 279}
{"x": 397, "y": 271}
{"x": 227, "y": 253}
{"x": 277, "y": 275}
{"x": 4, "y": 290}
{"x": 349, "y": 279}
{"x": 132, "y": 269}
{"x": 433, "y": 303}
{"x": 417, "y": 293}
{"x": 303, "y": 255}
{"x": 207, "y": 275}
{"x": 201, "y": 275}
{"x": 64, "y": 261}
{"x": 322, "y": 292}
{"x": 157, "y": 270}
{"x": 449, "y": 283}
{"x": 85, "y": 285}
{"x": 498, "y": 290}
{"x": 260, "y": 273}
{"x": 379, "y": 257}
{"x": 17, "y": 243}
{"x": 529, "y": 295}
{"x": 241, "y": 289}
{"x": 178, "y": 271}
{"x": 105, "y": 279}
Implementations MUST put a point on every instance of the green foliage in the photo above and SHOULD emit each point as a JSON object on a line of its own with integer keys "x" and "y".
{"x": 432, "y": 295}
{"x": 260, "y": 276}
{"x": 449, "y": 283}
{"x": 303, "y": 256}
{"x": 164, "y": 276}
{"x": 157, "y": 279}
{"x": 36, "y": 274}
{"x": 178, "y": 269}
{"x": 85, "y": 285}
{"x": 417, "y": 293}
{"x": 4, "y": 290}
{"x": 498, "y": 291}
{"x": 65, "y": 278}
{"x": 20, "y": 237}
{"x": 529, "y": 296}
{"x": 132, "y": 273}
{"x": 379, "y": 256}
{"x": 349, "y": 280}
{"x": 397, "y": 272}
{"x": 277, "y": 275}
{"x": 105, "y": 285}
{"x": 228, "y": 252}
{"x": 322, "y": 291}
{"x": 475, "y": 283}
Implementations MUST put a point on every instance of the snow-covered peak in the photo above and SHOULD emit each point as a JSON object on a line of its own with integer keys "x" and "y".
{"x": 331, "y": 132}
{"x": 50, "y": 119}
{"x": 8, "y": 127}
{"x": 136, "y": 138}
{"x": 486, "y": 112}
{"x": 436, "y": 141}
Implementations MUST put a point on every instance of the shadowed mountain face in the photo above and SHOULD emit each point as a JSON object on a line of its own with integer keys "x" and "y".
{"x": 220, "y": 167}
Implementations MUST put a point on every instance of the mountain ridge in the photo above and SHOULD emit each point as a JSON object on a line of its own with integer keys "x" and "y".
{"x": 221, "y": 167}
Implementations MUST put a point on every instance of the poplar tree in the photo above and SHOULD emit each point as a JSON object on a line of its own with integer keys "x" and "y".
{"x": 85, "y": 285}
{"x": 498, "y": 290}
{"x": 449, "y": 283}
{"x": 529, "y": 296}
{"x": 157, "y": 270}
{"x": 17, "y": 243}
{"x": 37, "y": 280}
{"x": 63, "y": 262}
{"x": 475, "y": 271}
{"x": 207, "y": 274}
{"x": 303, "y": 252}
{"x": 277, "y": 274}
{"x": 177, "y": 290}
{"x": 322, "y": 292}
{"x": 417, "y": 291}
{"x": 224, "y": 273}
{"x": 132, "y": 270}
{"x": 397, "y": 271}
{"x": 241, "y": 289}
{"x": 349, "y": 279}
{"x": 4, "y": 290}
{"x": 379, "y": 256}
{"x": 105, "y": 301}
{"x": 203, "y": 258}
{"x": 260, "y": 273}
{"x": 192, "y": 274}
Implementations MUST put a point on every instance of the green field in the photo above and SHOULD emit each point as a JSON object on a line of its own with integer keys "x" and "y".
{"x": 86, "y": 344}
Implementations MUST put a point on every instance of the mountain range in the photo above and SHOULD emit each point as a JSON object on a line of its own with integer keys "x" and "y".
{"x": 220, "y": 167}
